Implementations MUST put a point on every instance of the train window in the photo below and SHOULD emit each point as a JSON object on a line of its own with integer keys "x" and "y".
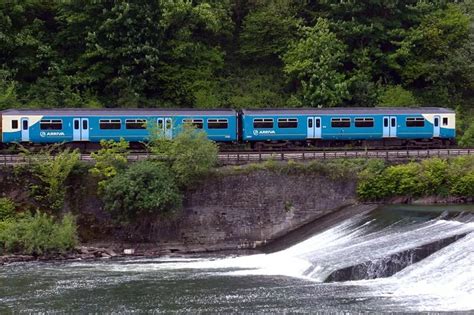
{"x": 51, "y": 124}
{"x": 110, "y": 124}
{"x": 198, "y": 123}
{"x": 160, "y": 124}
{"x": 14, "y": 124}
{"x": 263, "y": 123}
{"x": 287, "y": 122}
{"x": 364, "y": 122}
{"x": 25, "y": 124}
{"x": 168, "y": 123}
{"x": 341, "y": 122}
{"x": 135, "y": 124}
{"x": 310, "y": 123}
{"x": 217, "y": 123}
{"x": 436, "y": 122}
{"x": 318, "y": 123}
{"x": 385, "y": 122}
{"x": 445, "y": 121}
{"x": 415, "y": 122}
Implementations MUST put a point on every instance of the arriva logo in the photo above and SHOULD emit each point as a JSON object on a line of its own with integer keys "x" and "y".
{"x": 51, "y": 134}
{"x": 263, "y": 132}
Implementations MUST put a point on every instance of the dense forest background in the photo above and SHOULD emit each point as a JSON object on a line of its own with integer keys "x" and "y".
{"x": 236, "y": 53}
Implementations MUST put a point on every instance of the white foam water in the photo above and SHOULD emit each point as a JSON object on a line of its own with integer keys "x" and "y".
{"x": 443, "y": 281}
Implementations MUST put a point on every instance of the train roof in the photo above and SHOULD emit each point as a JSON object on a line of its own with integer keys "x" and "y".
{"x": 120, "y": 112}
{"x": 350, "y": 111}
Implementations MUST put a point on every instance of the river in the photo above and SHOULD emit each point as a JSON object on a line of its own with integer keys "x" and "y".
{"x": 397, "y": 258}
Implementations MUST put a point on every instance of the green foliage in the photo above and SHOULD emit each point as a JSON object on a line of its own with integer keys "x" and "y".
{"x": 260, "y": 86}
{"x": 7, "y": 209}
{"x": 427, "y": 178}
{"x": 267, "y": 31}
{"x": 52, "y": 171}
{"x": 464, "y": 186}
{"x": 396, "y": 96}
{"x": 146, "y": 188}
{"x": 8, "y": 97}
{"x": 467, "y": 138}
{"x": 316, "y": 61}
{"x": 189, "y": 155}
{"x": 109, "y": 160}
{"x": 232, "y": 53}
{"x": 433, "y": 55}
{"x": 37, "y": 234}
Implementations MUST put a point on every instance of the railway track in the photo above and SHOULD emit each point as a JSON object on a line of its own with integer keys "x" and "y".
{"x": 237, "y": 158}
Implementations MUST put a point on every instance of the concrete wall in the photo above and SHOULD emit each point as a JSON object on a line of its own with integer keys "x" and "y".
{"x": 246, "y": 210}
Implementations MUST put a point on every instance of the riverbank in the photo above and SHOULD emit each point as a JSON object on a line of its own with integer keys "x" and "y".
{"x": 232, "y": 208}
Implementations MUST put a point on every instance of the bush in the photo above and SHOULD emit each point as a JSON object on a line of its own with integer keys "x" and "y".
{"x": 190, "y": 154}
{"x": 37, "y": 234}
{"x": 429, "y": 177}
{"x": 464, "y": 186}
{"x": 52, "y": 171}
{"x": 109, "y": 160}
{"x": 433, "y": 176}
{"x": 7, "y": 209}
{"x": 145, "y": 188}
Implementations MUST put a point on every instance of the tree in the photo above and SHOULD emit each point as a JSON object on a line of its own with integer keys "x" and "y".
{"x": 396, "y": 96}
{"x": 467, "y": 139}
{"x": 316, "y": 61}
{"x": 267, "y": 31}
{"x": 146, "y": 188}
{"x": 432, "y": 56}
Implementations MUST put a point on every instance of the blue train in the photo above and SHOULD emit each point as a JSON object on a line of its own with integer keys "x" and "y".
{"x": 259, "y": 127}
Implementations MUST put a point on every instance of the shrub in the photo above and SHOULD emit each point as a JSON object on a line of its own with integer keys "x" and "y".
{"x": 7, "y": 209}
{"x": 52, "y": 171}
{"x": 145, "y": 188}
{"x": 429, "y": 177}
{"x": 109, "y": 160}
{"x": 464, "y": 186}
{"x": 190, "y": 154}
{"x": 37, "y": 234}
{"x": 433, "y": 176}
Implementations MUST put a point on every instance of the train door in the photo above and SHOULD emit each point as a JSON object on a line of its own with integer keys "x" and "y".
{"x": 84, "y": 129}
{"x": 313, "y": 128}
{"x": 393, "y": 126}
{"x": 76, "y": 129}
{"x": 436, "y": 127}
{"x": 317, "y": 127}
{"x": 389, "y": 126}
{"x": 310, "y": 128}
{"x": 25, "y": 130}
{"x": 165, "y": 125}
{"x": 80, "y": 129}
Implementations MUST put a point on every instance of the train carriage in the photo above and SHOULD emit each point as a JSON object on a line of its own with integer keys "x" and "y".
{"x": 90, "y": 125}
{"x": 346, "y": 124}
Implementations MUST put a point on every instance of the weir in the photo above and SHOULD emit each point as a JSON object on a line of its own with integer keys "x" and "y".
{"x": 367, "y": 246}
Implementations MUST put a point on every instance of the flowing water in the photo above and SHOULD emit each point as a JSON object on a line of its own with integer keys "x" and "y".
{"x": 405, "y": 259}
